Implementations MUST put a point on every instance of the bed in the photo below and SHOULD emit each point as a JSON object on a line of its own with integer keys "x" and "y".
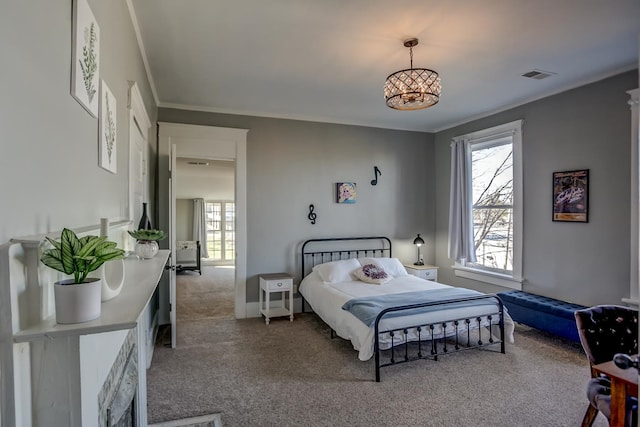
{"x": 402, "y": 317}
{"x": 188, "y": 256}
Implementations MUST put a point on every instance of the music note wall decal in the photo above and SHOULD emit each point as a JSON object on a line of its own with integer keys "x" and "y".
{"x": 376, "y": 172}
{"x": 312, "y": 215}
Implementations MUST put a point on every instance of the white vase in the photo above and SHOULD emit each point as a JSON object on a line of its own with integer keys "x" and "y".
{"x": 112, "y": 274}
{"x": 77, "y": 303}
{"x": 146, "y": 249}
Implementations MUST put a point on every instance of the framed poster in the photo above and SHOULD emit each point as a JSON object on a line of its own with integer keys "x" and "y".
{"x": 571, "y": 196}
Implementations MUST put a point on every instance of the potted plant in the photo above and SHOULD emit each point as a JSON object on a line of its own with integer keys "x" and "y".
{"x": 78, "y": 300}
{"x": 147, "y": 242}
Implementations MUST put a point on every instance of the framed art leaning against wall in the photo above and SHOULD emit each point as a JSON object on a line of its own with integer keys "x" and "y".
{"x": 571, "y": 196}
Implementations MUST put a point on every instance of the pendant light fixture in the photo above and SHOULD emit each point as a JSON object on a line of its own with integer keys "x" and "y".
{"x": 413, "y": 88}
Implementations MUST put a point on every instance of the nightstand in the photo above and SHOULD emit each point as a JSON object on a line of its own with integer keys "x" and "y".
{"x": 271, "y": 283}
{"x": 428, "y": 272}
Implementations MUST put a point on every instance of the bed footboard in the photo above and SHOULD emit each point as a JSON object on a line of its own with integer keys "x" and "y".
{"x": 433, "y": 339}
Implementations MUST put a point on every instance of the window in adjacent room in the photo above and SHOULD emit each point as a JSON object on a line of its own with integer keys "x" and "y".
{"x": 493, "y": 230}
{"x": 221, "y": 239}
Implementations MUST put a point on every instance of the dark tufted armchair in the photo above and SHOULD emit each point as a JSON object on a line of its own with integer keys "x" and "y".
{"x": 605, "y": 330}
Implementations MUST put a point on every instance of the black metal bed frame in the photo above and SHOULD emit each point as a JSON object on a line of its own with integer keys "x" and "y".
{"x": 432, "y": 345}
{"x": 352, "y": 250}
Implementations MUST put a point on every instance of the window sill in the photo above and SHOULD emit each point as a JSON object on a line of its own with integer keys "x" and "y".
{"x": 489, "y": 277}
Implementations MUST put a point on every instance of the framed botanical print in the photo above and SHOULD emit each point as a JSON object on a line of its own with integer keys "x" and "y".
{"x": 107, "y": 139}
{"x": 85, "y": 67}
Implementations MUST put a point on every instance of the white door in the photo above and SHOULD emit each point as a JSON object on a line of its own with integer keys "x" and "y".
{"x": 172, "y": 244}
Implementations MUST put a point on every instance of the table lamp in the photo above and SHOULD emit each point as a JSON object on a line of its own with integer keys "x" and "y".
{"x": 418, "y": 241}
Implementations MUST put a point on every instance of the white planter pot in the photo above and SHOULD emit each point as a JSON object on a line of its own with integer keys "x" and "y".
{"x": 77, "y": 303}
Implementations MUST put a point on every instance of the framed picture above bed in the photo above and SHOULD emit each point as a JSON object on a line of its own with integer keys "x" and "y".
{"x": 571, "y": 196}
{"x": 346, "y": 192}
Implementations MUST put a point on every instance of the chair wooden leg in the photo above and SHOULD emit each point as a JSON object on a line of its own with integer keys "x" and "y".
{"x": 589, "y": 416}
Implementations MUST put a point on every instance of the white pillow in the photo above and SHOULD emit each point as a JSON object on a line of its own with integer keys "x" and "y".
{"x": 372, "y": 273}
{"x": 337, "y": 271}
{"x": 392, "y": 266}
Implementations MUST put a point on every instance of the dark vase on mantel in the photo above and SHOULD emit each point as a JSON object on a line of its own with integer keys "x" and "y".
{"x": 145, "y": 222}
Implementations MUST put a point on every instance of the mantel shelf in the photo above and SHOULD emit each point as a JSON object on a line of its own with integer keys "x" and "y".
{"x": 121, "y": 312}
{"x": 39, "y": 238}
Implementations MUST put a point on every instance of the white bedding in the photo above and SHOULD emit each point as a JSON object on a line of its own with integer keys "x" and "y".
{"x": 327, "y": 299}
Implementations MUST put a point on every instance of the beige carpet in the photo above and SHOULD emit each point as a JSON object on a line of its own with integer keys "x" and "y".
{"x": 293, "y": 374}
{"x": 207, "y": 296}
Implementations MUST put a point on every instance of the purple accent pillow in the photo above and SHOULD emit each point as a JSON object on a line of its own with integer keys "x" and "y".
{"x": 371, "y": 273}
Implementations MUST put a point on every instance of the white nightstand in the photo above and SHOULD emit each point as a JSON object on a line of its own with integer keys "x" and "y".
{"x": 277, "y": 282}
{"x": 428, "y": 272}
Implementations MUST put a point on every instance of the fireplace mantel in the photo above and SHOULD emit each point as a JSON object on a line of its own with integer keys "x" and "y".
{"x": 122, "y": 312}
{"x": 52, "y": 374}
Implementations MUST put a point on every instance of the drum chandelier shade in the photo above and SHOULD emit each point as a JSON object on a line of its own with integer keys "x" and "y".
{"x": 413, "y": 88}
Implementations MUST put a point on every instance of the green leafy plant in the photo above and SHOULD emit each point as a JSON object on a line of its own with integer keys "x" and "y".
{"x": 147, "y": 235}
{"x": 79, "y": 256}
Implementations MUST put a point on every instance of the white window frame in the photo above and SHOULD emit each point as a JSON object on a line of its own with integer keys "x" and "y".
{"x": 475, "y": 272}
{"x": 223, "y": 223}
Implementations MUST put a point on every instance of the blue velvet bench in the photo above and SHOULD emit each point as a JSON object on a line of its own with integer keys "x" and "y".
{"x": 544, "y": 313}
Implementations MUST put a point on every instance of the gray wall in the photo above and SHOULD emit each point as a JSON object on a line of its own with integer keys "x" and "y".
{"x": 588, "y": 127}
{"x": 48, "y": 142}
{"x": 292, "y": 164}
{"x": 184, "y": 219}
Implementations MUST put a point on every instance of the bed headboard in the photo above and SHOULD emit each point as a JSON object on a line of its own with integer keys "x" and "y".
{"x": 318, "y": 251}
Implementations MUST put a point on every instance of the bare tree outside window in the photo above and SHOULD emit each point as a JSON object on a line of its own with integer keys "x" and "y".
{"x": 492, "y": 174}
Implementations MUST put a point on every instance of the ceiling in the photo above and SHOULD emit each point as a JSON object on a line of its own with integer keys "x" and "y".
{"x": 327, "y": 60}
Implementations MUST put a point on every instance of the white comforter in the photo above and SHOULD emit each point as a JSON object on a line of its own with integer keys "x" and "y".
{"x": 327, "y": 300}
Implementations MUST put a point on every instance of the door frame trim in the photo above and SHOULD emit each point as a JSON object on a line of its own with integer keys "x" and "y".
{"x": 212, "y": 142}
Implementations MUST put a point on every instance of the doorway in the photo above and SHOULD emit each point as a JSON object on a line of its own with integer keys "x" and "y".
{"x": 205, "y": 229}
{"x": 202, "y": 142}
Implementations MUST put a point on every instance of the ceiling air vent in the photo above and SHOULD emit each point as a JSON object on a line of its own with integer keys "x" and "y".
{"x": 538, "y": 74}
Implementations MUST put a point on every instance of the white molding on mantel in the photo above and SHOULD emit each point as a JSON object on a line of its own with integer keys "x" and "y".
{"x": 635, "y": 97}
{"x": 135, "y": 103}
{"x": 37, "y": 238}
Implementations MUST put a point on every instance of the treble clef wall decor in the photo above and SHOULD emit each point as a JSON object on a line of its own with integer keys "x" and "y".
{"x": 312, "y": 215}
{"x": 376, "y": 172}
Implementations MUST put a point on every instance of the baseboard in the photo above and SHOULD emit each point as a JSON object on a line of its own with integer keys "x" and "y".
{"x": 213, "y": 420}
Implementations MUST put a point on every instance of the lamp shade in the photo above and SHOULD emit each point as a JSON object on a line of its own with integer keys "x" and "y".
{"x": 418, "y": 241}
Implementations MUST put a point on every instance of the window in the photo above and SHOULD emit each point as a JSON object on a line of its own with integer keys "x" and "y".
{"x": 492, "y": 209}
{"x": 494, "y": 182}
{"x": 220, "y": 226}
